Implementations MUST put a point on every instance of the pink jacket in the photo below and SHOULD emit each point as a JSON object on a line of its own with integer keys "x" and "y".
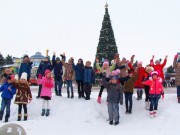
{"x": 46, "y": 91}
{"x": 155, "y": 86}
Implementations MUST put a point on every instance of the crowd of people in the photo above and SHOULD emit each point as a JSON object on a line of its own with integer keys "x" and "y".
{"x": 119, "y": 76}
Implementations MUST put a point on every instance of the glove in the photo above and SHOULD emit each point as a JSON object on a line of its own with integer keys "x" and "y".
{"x": 162, "y": 94}
{"x": 30, "y": 100}
{"x": 39, "y": 76}
{"x": 121, "y": 103}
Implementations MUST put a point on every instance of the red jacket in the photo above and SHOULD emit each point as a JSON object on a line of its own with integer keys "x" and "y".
{"x": 138, "y": 83}
{"x": 155, "y": 86}
{"x": 159, "y": 67}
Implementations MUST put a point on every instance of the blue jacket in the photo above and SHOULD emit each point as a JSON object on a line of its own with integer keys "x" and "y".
{"x": 25, "y": 67}
{"x": 89, "y": 75}
{"x": 43, "y": 66}
{"x": 79, "y": 69}
{"x": 6, "y": 93}
{"x": 58, "y": 70}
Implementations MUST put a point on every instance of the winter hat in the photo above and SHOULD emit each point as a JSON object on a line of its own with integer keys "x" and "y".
{"x": 25, "y": 56}
{"x": 139, "y": 63}
{"x": 57, "y": 59}
{"x": 157, "y": 61}
{"x": 114, "y": 77}
{"x": 117, "y": 71}
{"x": 113, "y": 73}
{"x": 148, "y": 68}
{"x": 154, "y": 73}
{"x": 105, "y": 63}
{"x": 24, "y": 76}
{"x": 123, "y": 59}
{"x": 47, "y": 71}
{"x": 47, "y": 57}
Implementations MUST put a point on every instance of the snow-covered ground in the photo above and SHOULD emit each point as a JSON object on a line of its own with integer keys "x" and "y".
{"x": 80, "y": 117}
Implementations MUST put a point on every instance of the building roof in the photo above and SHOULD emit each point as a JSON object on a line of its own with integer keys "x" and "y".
{"x": 37, "y": 55}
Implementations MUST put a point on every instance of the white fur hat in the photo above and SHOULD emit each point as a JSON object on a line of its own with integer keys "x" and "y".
{"x": 24, "y": 75}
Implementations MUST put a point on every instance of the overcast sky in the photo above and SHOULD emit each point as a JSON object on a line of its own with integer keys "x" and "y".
{"x": 141, "y": 27}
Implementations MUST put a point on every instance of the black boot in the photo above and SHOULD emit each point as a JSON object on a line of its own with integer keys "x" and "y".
{"x": 116, "y": 123}
{"x": 178, "y": 99}
{"x": 47, "y": 112}
{"x": 68, "y": 94}
{"x": 6, "y": 120}
{"x": 43, "y": 112}
{"x": 130, "y": 111}
{"x": 111, "y": 122}
{"x": 1, "y": 115}
{"x": 25, "y": 116}
{"x": 140, "y": 95}
{"x": 19, "y": 117}
{"x": 72, "y": 94}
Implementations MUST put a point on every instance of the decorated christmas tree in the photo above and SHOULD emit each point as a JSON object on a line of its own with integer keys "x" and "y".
{"x": 107, "y": 44}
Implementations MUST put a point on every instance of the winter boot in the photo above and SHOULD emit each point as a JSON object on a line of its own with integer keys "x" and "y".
{"x": 87, "y": 97}
{"x": 25, "y": 116}
{"x": 68, "y": 96}
{"x": 140, "y": 94}
{"x": 60, "y": 93}
{"x": 126, "y": 112}
{"x": 19, "y": 117}
{"x": 130, "y": 111}
{"x": 43, "y": 112}
{"x": 99, "y": 100}
{"x": 72, "y": 94}
{"x": 155, "y": 113}
{"x": 47, "y": 112}
{"x": 151, "y": 113}
{"x": 147, "y": 105}
{"x": 1, "y": 115}
{"x": 178, "y": 99}
{"x": 111, "y": 122}
{"x": 6, "y": 120}
{"x": 116, "y": 123}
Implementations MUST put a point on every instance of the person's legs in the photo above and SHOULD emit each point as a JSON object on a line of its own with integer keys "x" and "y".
{"x": 110, "y": 112}
{"x": 78, "y": 85}
{"x": 126, "y": 102}
{"x": 25, "y": 112}
{"x": 60, "y": 87}
{"x": 8, "y": 104}
{"x": 3, "y": 105}
{"x": 39, "y": 91}
{"x": 178, "y": 93}
{"x": 116, "y": 113}
{"x": 82, "y": 88}
{"x": 55, "y": 87}
{"x": 130, "y": 102}
{"x": 100, "y": 94}
{"x": 68, "y": 85}
{"x": 19, "y": 112}
{"x": 72, "y": 91}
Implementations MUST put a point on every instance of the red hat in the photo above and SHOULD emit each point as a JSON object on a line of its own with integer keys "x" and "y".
{"x": 47, "y": 71}
{"x": 154, "y": 73}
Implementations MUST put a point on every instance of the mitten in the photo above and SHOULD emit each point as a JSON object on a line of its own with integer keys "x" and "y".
{"x": 39, "y": 76}
{"x": 176, "y": 56}
{"x": 162, "y": 94}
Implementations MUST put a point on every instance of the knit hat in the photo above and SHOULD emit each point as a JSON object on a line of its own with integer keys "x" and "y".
{"x": 117, "y": 71}
{"x": 47, "y": 71}
{"x": 123, "y": 59}
{"x": 139, "y": 63}
{"x": 57, "y": 59}
{"x": 114, "y": 77}
{"x": 106, "y": 63}
{"x": 24, "y": 76}
{"x": 157, "y": 61}
{"x": 154, "y": 73}
{"x": 47, "y": 57}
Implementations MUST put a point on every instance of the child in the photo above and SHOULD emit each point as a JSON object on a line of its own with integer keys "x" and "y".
{"x": 105, "y": 72}
{"x": 176, "y": 65}
{"x": 147, "y": 76}
{"x": 128, "y": 89}
{"x": 8, "y": 92}
{"x": 23, "y": 95}
{"x": 88, "y": 79}
{"x": 156, "y": 89}
{"x": 46, "y": 93}
{"x": 114, "y": 96}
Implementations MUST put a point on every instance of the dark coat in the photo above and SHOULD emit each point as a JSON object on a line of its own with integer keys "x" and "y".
{"x": 7, "y": 93}
{"x": 129, "y": 84}
{"x": 89, "y": 76}
{"x": 25, "y": 67}
{"x": 23, "y": 93}
{"x": 114, "y": 92}
{"x": 43, "y": 66}
{"x": 58, "y": 70}
{"x": 79, "y": 69}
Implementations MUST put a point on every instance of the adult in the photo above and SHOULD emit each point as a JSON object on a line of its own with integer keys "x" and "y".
{"x": 58, "y": 72}
{"x": 79, "y": 71}
{"x": 138, "y": 84}
{"x": 7, "y": 73}
{"x": 43, "y": 66}
{"x": 158, "y": 66}
{"x": 26, "y": 67}
{"x": 176, "y": 65}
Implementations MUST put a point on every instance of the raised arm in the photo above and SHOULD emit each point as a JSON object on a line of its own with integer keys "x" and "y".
{"x": 165, "y": 61}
